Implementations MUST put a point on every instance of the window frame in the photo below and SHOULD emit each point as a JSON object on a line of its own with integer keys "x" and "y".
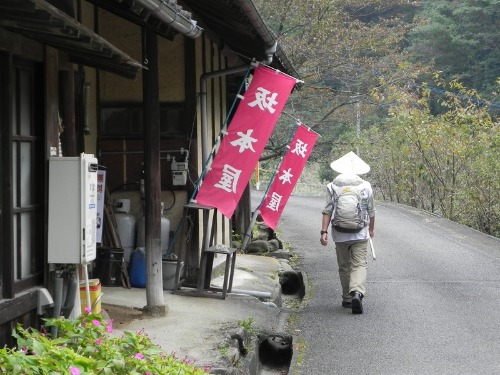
{"x": 173, "y": 109}
{"x": 14, "y": 277}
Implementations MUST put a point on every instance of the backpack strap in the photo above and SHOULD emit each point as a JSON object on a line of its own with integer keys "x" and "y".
{"x": 333, "y": 194}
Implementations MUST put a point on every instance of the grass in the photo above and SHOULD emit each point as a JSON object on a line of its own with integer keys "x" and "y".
{"x": 248, "y": 327}
{"x": 301, "y": 349}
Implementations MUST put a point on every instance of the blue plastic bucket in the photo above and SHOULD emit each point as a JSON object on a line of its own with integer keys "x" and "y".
{"x": 137, "y": 272}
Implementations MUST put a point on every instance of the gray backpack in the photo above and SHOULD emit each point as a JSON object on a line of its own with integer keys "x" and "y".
{"x": 348, "y": 215}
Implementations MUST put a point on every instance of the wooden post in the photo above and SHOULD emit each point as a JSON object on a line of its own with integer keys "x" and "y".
{"x": 69, "y": 113}
{"x": 151, "y": 115}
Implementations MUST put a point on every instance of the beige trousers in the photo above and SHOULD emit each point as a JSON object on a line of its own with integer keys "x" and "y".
{"x": 351, "y": 259}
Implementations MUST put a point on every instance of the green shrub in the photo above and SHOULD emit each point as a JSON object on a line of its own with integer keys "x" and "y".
{"x": 86, "y": 346}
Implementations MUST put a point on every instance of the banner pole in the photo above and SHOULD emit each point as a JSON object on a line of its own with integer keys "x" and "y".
{"x": 248, "y": 233}
{"x": 244, "y": 140}
{"x": 210, "y": 157}
{"x": 280, "y": 72}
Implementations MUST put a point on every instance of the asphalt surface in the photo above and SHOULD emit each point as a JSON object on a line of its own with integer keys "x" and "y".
{"x": 432, "y": 301}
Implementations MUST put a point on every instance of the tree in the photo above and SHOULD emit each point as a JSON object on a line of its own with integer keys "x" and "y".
{"x": 340, "y": 49}
{"x": 460, "y": 38}
{"x": 446, "y": 163}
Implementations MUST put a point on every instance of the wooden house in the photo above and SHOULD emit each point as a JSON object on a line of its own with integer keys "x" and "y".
{"x": 140, "y": 84}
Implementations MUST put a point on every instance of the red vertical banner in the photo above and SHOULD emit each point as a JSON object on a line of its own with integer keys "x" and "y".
{"x": 246, "y": 137}
{"x": 288, "y": 174}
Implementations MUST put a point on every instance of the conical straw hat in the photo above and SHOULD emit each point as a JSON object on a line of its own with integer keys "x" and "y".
{"x": 350, "y": 163}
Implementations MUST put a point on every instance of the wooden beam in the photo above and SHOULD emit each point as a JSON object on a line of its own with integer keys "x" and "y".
{"x": 69, "y": 113}
{"x": 151, "y": 113}
{"x": 13, "y": 308}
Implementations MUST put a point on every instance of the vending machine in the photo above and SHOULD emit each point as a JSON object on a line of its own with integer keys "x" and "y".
{"x": 72, "y": 209}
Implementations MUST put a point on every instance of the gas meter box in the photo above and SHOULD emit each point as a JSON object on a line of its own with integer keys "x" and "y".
{"x": 72, "y": 209}
{"x": 179, "y": 173}
{"x": 179, "y": 178}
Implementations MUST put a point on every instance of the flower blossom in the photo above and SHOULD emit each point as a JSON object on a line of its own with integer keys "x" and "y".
{"x": 139, "y": 356}
{"x": 74, "y": 370}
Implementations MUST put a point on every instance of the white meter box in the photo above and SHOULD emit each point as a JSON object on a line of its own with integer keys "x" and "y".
{"x": 72, "y": 209}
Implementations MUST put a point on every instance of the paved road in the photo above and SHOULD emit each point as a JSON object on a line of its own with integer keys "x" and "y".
{"x": 432, "y": 304}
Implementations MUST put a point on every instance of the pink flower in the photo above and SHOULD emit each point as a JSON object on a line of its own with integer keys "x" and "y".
{"x": 98, "y": 341}
{"x": 88, "y": 310}
{"x": 96, "y": 322}
{"x": 139, "y": 356}
{"x": 109, "y": 328}
{"x": 74, "y": 370}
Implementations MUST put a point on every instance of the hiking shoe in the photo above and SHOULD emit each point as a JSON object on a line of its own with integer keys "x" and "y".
{"x": 357, "y": 305}
{"x": 347, "y": 304}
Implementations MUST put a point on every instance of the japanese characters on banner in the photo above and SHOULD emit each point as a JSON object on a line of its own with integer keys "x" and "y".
{"x": 247, "y": 135}
{"x": 288, "y": 174}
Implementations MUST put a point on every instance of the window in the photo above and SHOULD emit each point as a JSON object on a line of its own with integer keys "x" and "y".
{"x": 124, "y": 120}
{"x": 21, "y": 181}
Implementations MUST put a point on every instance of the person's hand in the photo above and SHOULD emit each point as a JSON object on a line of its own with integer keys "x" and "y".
{"x": 371, "y": 232}
{"x": 324, "y": 239}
